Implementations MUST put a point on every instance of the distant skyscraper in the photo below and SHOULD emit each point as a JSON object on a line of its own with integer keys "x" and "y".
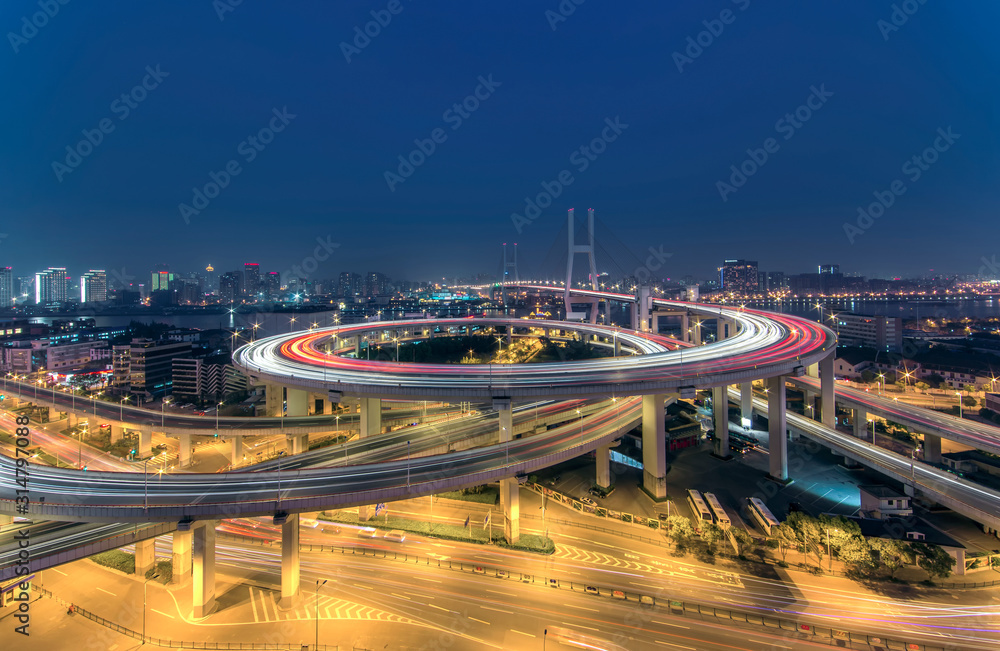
{"x": 51, "y": 286}
{"x": 230, "y": 286}
{"x": 349, "y": 284}
{"x": 739, "y": 276}
{"x": 6, "y": 287}
{"x": 251, "y": 279}
{"x": 161, "y": 281}
{"x": 94, "y": 286}
{"x": 376, "y": 284}
{"x": 829, "y": 268}
{"x": 210, "y": 277}
{"x": 272, "y": 285}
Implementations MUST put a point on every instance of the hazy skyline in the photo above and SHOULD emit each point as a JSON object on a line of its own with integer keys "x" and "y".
{"x": 547, "y": 90}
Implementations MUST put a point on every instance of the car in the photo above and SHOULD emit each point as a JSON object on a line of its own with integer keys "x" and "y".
{"x": 308, "y": 522}
{"x": 479, "y": 570}
{"x": 646, "y": 600}
{"x": 553, "y": 583}
{"x": 502, "y": 574}
{"x": 618, "y": 594}
{"x": 595, "y": 493}
{"x": 588, "y": 501}
{"x": 366, "y": 532}
{"x": 396, "y": 535}
{"x": 591, "y": 590}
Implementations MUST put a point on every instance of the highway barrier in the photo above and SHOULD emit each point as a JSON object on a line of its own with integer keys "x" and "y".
{"x": 804, "y": 630}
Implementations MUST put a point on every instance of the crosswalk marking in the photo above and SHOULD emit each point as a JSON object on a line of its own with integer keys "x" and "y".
{"x": 327, "y": 608}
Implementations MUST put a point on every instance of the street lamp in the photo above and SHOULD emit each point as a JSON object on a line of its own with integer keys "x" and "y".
{"x": 318, "y": 586}
{"x": 959, "y": 394}
{"x": 217, "y": 408}
{"x": 156, "y": 575}
{"x": 162, "y": 405}
{"x": 121, "y": 408}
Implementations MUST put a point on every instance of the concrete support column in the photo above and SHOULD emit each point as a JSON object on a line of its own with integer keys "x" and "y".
{"x": 618, "y": 346}
{"x": 604, "y": 467}
{"x": 274, "y": 399}
{"x": 828, "y": 401}
{"x": 181, "y": 557}
{"x": 290, "y": 560}
{"x": 145, "y": 442}
{"x": 777, "y": 438}
{"x": 685, "y": 324}
{"x": 184, "y": 451}
{"x": 656, "y": 323}
{"x": 117, "y": 433}
{"x": 506, "y": 427}
{"x": 510, "y": 500}
{"x": 366, "y": 512}
{"x": 695, "y": 331}
{"x": 932, "y": 448}
{"x": 298, "y": 402}
{"x": 813, "y": 370}
{"x": 746, "y": 404}
{"x": 145, "y": 556}
{"x": 203, "y": 566}
{"x": 297, "y": 443}
{"x": 654, "y": 446}
{"x": 720, "y": 411}
{"x": 860, "y": 423}
{"x": 809, "y": 404}
{"x": 371, "y": 417}
{"x": 237, "y": 449}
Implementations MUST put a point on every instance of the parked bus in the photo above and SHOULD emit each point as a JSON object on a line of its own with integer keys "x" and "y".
{"x": 716, "y": 507}
{"x": 698, "y": 507}
{"x": 761, "y": 514}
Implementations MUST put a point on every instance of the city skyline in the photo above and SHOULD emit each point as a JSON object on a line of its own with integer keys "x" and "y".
{"x": 652, "y": 131}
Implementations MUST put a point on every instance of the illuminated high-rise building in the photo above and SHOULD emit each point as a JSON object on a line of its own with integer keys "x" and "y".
{"x": 94, "y": 286}
{"x": 739, "y": 276}
{"x": 6, "y": 287}
{"x": 51, "y": 286}
{"x": 251, "y": 279}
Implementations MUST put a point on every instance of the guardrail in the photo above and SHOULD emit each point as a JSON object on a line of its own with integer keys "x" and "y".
{"x": 806, "y": 629}
{"x": 175, "y": 644}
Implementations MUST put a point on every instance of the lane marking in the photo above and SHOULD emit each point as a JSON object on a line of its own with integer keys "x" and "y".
{"x": 110, "y": 593}
{"x": 509, "y": 612}
{"x": 679, "y": 646}
{"x": 669, "y": 624}
{"x": 161, "y": 613}
{"x": 479, "y": 620}
{"x": 593, "y": 610}
{"x": 253, "y": 605}
{"x": 514, "y": 630}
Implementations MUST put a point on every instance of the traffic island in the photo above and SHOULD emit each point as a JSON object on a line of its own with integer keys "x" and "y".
{"x": 475, "y": 532}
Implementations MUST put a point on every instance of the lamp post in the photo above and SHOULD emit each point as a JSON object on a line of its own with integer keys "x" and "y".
{"x": 163, "y": 404}
{"x": 318, "y": 586}
{"x": 959, "y": 394}
{"x": 217, "y": 408}
{"x": 121, "y": 408}
{"x": 156, "y": 575}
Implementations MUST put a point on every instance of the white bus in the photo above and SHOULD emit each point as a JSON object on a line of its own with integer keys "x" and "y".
{"x": 698, "y": 507}
{"x": 717, "y": 510}
{"x": 761, "y": 514}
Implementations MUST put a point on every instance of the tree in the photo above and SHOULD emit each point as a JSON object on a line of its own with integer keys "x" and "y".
{"x": 743, "y": 540}
{"x": 786, "y": 537}
{"x": 891, "y": 553}
{"x": 858, "y": 554}
{"x": 679, "y": 530}
{"x": 969, "y": 401}
{"x": 809, "y": 532}
{"x": 933, "y": 560}
{"x": 711, "y": 533}
{"x": 867, "y": 377}
{"x": 923, "y": 386}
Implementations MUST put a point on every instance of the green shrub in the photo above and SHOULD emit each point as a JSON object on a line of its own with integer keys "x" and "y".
{"x": 116, "y": 559}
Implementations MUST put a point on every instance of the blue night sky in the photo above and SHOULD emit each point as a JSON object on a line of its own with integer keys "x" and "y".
{"x": 656, "y": 184}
